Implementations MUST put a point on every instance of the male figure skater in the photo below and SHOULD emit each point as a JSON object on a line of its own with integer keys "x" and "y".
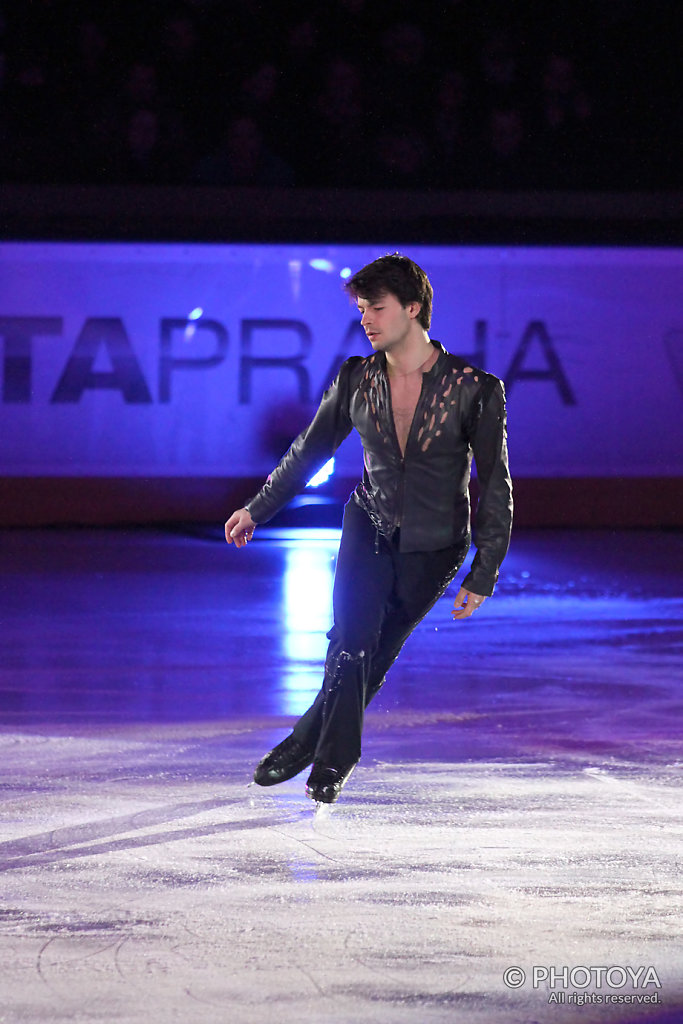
{"x": 422, "y": 414}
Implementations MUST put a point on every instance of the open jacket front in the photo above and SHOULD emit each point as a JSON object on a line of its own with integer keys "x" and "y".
{"x": 460, "y": 414}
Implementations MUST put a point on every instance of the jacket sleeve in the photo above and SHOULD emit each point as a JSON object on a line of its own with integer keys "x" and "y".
{"x": 493, "y": 518}
{"x": 309, "y": 451}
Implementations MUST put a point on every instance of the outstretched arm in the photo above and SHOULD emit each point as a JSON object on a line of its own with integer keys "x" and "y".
{"x": 239, "y": 529}
{"x": 310, "y": 450}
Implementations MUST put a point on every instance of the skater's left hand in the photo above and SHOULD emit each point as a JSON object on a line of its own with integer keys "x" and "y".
{"x": 466, "y": 603}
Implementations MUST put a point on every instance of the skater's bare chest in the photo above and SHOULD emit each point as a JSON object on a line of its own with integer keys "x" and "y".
{"x": 405, "y": 394}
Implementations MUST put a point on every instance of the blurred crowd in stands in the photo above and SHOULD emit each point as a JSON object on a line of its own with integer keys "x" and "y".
{"x": 560, "y": 94}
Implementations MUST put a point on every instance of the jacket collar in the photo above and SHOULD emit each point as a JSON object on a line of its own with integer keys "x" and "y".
{"x": 438, "y": 365}
{"x": 381, "y": 359}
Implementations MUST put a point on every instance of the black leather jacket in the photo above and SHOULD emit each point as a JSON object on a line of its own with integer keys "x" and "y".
{"x": 460, "y": 413}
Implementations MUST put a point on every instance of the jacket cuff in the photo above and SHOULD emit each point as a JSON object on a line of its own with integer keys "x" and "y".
{"x": 478, "y": 584}
{"x": 258, "y": 510}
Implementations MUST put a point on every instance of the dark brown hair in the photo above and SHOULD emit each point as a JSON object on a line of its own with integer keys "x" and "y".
{"x": 398, "y": 275}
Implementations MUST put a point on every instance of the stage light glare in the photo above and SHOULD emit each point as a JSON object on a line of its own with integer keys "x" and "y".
{"x": 322, "y": 475}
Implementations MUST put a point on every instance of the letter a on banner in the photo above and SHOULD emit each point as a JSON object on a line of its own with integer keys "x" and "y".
{"x": 536, "y": 329}
{"x": 353, "y": 341}
{"x": 125, "y": 375}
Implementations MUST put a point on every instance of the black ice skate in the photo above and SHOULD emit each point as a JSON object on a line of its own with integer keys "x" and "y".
{"x": 325, "y": 783}
{"x": 284, "y": 761}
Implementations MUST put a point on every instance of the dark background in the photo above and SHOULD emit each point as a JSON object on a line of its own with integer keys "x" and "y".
{"x": 346, "y": 93}
{"x": 457, "y": 120}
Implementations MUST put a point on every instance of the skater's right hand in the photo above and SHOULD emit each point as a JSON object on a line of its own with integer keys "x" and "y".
{"x": 239, "y": 528}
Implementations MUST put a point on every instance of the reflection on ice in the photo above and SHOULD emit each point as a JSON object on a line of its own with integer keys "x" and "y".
{"x": 307, "y": 615}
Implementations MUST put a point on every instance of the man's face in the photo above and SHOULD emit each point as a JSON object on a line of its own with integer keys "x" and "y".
{"x": 385, "y": 321}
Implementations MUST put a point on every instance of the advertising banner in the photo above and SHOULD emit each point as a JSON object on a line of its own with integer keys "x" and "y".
{"x": 188, "y": 360}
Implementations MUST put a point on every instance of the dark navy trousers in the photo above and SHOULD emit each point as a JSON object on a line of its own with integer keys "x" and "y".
{"x": 380, "y": 596}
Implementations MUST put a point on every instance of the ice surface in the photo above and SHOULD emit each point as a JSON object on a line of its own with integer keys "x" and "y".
{"x": 518, "y": 802}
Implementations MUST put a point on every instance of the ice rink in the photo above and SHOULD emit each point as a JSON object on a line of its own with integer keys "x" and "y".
{"x": 508, "y": 851}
